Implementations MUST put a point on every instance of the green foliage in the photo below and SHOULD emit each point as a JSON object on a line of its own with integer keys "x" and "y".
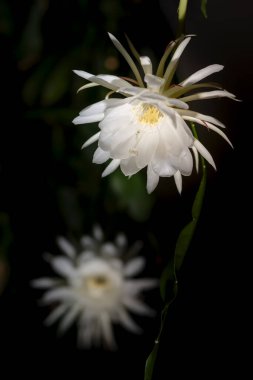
{"x": 203, "y": 8}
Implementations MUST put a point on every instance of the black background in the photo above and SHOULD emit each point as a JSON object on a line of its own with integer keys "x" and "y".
{"x": 207, "y": 327}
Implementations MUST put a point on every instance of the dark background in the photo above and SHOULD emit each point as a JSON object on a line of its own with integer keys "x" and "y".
{"x": 49, "y": 187}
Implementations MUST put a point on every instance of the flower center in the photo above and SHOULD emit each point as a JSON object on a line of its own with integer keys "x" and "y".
{"x": 97, "y": 285}
{"x": 150, "y": 114}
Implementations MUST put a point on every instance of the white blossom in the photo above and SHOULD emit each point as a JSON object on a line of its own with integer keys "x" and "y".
{"x": 95, "y": 289}
{"x": 148, "y": 127}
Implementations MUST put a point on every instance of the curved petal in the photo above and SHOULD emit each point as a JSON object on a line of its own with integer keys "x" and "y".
{"x": 208, "y": 95}
{"x": 100, "y": 156}
{"x": 196, "y": 156}
{"x": 201, "y": 74}
{"x": 178, "y": 181}
{"x": 88, "y": 119}
{"x": 114, "y": 164}
{"x": 134, "y": 266}
{"x": 63, "y": 266}
{"x": 146, "y": 147}
{"x": 204, "y": 152}
{"x": 66, "y": 247}
{"x": 91, "y": 140}
{"x": 189, "y": 115}
{"x": 152, "y": 179}
{"x": 128, "y": 166}
{"x": 146, "y": 65}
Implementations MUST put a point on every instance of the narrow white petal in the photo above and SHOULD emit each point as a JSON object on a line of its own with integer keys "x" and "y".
{"x": 88, "y": 119}
{"x": 87, "y": 241}
{"x": 152, "y": 179}
{"x": 128, "y": 322}
{"x": 137, "y": 306}
{"x": 109, "y": 81}
{"x": 44, "y": 283}
{"x": 194, "y": 116}
{"x": 135, "y": 286}
{"x": 94, "y": 109}
{"x": 134, "y": 266}
{"x": 127, "y": 57}
{"x": 108, "y": 249}
{"x": 174, "y": 61}
{"x": 66, "y": 247}
{"x": 196, "y": 156}
{"x": 153, "y": 82}
{"x": 88, "y": 85}
{"x": 204, "y": 152}
{"x": 114, "y": 164}
{"x": 107, "y": 332}
{"x": 146, "y": 64}
{"x": 58, "y": 294}
{"x": 178, "y": 181}
{"x": 201, "y": 74}
{"x": 121, "y": 240}
{"x": 69, "y": 318}
{"x": 91, "y": 140}
{"x": 100, "y": 156}
{"x": 98, "y": 233}
{"x": 55, "y": 314}
{"x": 208, "y": 95}
{"x": 63, "y": 266}
{"x": 221, "y": 133}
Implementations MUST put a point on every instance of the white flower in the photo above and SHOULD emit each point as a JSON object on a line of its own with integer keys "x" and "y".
{"x": 96, "y": 289}
{"x": 148, "y": 127}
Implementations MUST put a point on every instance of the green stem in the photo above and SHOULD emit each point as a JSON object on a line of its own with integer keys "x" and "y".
{"x": 182, "y": 8}
{"x": 169, "y": 282}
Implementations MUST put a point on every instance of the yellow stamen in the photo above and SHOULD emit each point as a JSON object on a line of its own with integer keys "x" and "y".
{"x": 150, "y": 114}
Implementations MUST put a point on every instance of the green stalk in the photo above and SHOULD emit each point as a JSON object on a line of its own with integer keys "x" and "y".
{"x": 182, "y": 8}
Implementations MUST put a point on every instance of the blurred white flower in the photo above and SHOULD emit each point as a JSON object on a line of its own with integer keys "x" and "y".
{"x": 148, "y": 127}
{"x": 96, "y": 289}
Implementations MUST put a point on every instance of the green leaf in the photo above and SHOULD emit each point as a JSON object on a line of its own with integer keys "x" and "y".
{"x": 203, "y": 8}
{"x": 150, "y": 363}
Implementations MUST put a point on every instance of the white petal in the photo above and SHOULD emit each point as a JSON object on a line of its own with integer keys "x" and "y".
{"x": 174, "y": 61}
{"x": 100, "y": 107}
{"x": 137, "y": 306}
{"x": 134, "y": 266}
{"x": 91, "y": 140}
{"x": 127, "y": 57}
{"x": 128, "y": 322}
{"x": 108, "y": 249}
{"x": 129, "y": 167}
{"x": 55, "y": 314}
{"x": 109, "y": 81}
{"x": 194, "y": 116}
{"x": 178, "y": 181}
{"x": 201, "y": 74}
{"x": 63, "y": 266}
{"x": 221, "y": 133}
{"x": 183, "y": 162}
{"x": 69, "y": 319}
{"x": 121, "y": 240}
{"x": 44, "y": 283}
{"x": 133, "y": 287}
{"x": 114, "y": 164}
{"x": 152, "y": 179}
{"x": 66, "y": 247}
{"x": 146, "y": 64}
{"x": 146, "y": 147}
{"x": 88, "y": 85}
{"x": 204, "y": 152}
{"x": 88, "y": 119}
{"x": 208, "y": 95}
{"x": 107, "y": 332}
{"x": 57, "y": 294}
{"x": 100, "y": 156}
{"x": 196, "y": 156}
{"x": 98, "y": 233}
{"x": 87, "y": 241}
{"x": 153, "y": 82}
